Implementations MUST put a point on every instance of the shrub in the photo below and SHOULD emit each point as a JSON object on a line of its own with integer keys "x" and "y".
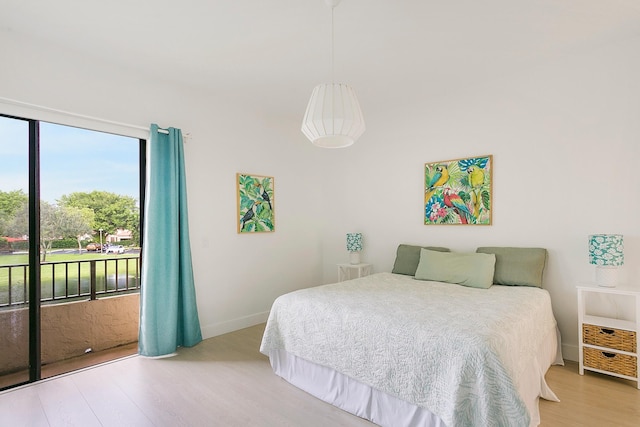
{"x": 66, "y": 243}
{"x": 20, "y": 246}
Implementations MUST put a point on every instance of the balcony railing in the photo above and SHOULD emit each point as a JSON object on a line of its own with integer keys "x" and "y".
{"x": 71, "y": 280}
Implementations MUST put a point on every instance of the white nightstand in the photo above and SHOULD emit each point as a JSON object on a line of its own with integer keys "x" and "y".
{"x": 609, "y": 344}
{"x": 353, "y": 271}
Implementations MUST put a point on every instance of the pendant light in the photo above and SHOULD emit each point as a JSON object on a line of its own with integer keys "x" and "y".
{"x": 333, "y": 118}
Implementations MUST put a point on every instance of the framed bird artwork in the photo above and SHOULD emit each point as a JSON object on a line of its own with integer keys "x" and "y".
{"x": 255, "y": 203}
{"x": 458, "y": 191}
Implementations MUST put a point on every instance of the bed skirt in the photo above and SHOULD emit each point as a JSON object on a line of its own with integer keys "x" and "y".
{"x": 386, "y": 410}
{"x": 348, "y": 394}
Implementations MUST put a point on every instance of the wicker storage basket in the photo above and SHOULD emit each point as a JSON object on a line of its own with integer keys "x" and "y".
{"x": 617, "y": 339}
{"x": 622, "y": 364}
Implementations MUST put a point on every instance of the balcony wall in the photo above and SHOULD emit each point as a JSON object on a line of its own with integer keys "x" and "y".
{"x": 70, "y": 329}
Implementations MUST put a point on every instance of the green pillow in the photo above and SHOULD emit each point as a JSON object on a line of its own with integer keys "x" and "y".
{"x": 517, "y": 266}
{"x": 407, "y": 258}
{"x": 468, "y": 269}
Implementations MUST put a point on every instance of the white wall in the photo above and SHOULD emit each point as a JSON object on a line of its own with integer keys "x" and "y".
{"x": 565, "y": 136}
{"x": 237, "y": 276}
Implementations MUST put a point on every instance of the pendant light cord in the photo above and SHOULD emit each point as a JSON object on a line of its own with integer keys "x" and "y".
{"x": 333, "y": 77}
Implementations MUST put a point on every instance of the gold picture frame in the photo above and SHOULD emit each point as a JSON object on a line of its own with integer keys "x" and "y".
{"x": 459, "y": 191}
{"x": 255, "y": 202}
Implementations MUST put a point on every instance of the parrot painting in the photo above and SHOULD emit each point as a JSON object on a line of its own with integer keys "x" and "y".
{"x": 455, "y": 202}
{"x": 440, "y": 178}
{"x": 458, "y": 191}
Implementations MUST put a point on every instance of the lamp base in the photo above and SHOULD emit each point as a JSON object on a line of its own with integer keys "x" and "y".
{"x": 606, "y": 276}
{"x": 354, "y": 257}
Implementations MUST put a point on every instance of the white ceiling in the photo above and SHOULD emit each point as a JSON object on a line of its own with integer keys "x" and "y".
{"x": 274, "y": 52}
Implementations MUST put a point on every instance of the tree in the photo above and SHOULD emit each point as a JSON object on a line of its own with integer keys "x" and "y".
{"x": 51, "y": 224}
{"x": 111, "y": 211}
{"x": 10, "y": 203}
{"x": 18, "y": 225}
{"x": 56, "y": 222}
{"x": 78, "y": 223}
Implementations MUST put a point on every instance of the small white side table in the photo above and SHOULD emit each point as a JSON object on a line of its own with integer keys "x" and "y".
{"x": 353, "y": 271}
{"x": 609, "y": 345}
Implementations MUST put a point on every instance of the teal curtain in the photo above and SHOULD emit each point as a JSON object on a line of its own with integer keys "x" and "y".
{"x": 168, "y": 311}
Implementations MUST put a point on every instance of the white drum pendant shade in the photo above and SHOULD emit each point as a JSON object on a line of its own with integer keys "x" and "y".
{"x": 333, "y": 118}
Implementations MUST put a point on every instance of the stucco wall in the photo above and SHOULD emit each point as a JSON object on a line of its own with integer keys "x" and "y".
{"x": 69, "y": 329}
{"x": 14, "y": 340}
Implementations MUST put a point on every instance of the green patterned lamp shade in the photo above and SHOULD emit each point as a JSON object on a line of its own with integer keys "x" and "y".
{"x": 354, "y": 242}
{"x": 606, "y": 252}
{"x": 606, "y": 249}
{"x": 354, "y": 246}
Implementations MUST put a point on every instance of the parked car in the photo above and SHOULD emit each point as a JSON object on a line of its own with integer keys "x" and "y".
{"x": 93, "y": 247}
{"x": 114, "y": 249}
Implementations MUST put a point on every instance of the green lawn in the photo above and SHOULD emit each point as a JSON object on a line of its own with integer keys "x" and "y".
{"x": 72, "y": 269}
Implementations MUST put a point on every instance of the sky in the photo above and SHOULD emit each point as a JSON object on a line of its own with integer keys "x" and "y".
{"x": 71, "y": 160}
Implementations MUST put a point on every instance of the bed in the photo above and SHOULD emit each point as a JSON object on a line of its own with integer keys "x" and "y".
{"x": 403, "y": 349}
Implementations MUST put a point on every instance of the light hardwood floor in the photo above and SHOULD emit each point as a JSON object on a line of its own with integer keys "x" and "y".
{"x": 225, "y": 381}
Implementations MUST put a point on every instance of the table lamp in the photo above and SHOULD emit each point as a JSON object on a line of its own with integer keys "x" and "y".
{"x": 606, "y": 252}
{"x": 354, "y": 246}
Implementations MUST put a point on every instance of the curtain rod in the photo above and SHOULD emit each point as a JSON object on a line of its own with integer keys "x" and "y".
{"x": 81, "y": 116}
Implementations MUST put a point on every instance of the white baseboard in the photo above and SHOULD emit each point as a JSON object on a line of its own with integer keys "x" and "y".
{"x": 570, "y": 352}
{"x": 213, "y": 330}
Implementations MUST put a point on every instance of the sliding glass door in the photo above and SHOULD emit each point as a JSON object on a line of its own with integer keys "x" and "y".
{"x": 70, "y": 231}
{"x": 90, "y": 256}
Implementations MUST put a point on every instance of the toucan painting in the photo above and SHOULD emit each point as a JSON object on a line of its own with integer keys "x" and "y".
{"x": 255, "y": 203}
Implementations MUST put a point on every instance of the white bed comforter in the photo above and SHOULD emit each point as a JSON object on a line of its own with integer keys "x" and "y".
{"x": 459, "y": 352}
